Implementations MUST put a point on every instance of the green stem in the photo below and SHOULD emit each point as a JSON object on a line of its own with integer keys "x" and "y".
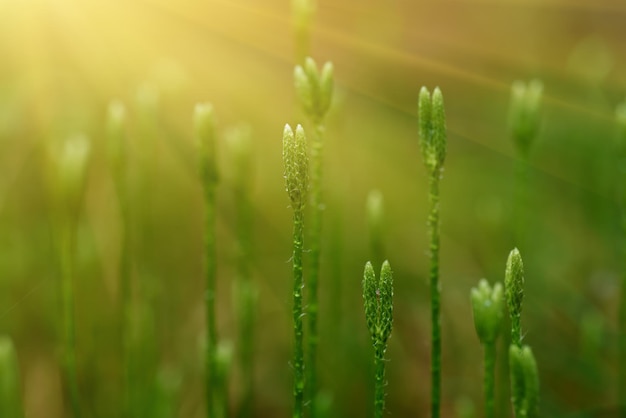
{"x": 298, "y": 285}
{"x": 379, "y": 386}
{"x": 125, "y": 294}
{"x": 433, "y": 224}
{"x": 212, "y": 382}
{"x": 489, "y": 379}
{"x": 621, "y": 386}
{"x": 315, "y": 239}
{"x": 69, "y": 327}
{"x": 247, "y": 300}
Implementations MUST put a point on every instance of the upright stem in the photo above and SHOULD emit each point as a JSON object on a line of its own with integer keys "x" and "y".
{"x": 489, "y": 379}
{"x": 379, "y": 387}
{"x": 315, "y": 238}
{"x": 69, "y": 335}
{"x": 298, "y": 285}
{"x": 211, "y": 330}
{"x": 247, "y": 299}
{"x": 126, "y": 310}
{"x": 622, "y": 307}
{"x": 433, "y": 224}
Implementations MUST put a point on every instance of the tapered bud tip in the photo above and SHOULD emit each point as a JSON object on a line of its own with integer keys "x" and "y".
{"x": 310, "y": 66}
{"x": 299, "y": 131}
{"x": 369, "y": 269}
{"x": 116, "y": 112}
{"x": 203, "y": 111}
{"x": 437, "y": 98}
{"x": 514, "y": 282}
{"x": 386, "y": 268}
{"x": 287, "y": 131}
{"x": 328, "y": 69}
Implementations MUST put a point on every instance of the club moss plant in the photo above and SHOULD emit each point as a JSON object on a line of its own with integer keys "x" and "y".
{"x": 620, "y": 118}
{"x": 67, "y": 180}
{"x": 488, "y": 310}
{"x": 204, "y": 123}
{"x": 375, "y": 217}
{"x": 117, "y": 150}
{"x": 522, "y": 366}
{"x": 240, "y": 147}
{"x": 432, "y": 137}
{"x": 314, "y": 90}
{"x": 378, "y": 302}
{"x": 10, "y": 386}
{"x": 524, "y": 382}
{"x": 524, "y": 122}
{"x": 296, "y": 164}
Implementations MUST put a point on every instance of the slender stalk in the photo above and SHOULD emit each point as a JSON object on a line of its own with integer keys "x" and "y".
{"x": 210, "y": 274}
{"x": 435, "y": 290}
{"x": 295, "y": 160}
{"x": 69, "y": 328}
{"x": 489, "y": 379}
{"x": 298, "y": 329}
{"x": 118, "y": 159}
{"x": 314, "y": 90}
{"x": 204, "y": 121}
{"x": 621, "y": 198}
{"x": 239, "y": 141}
{"x": 379, "y": 387}
{"x": 378, "y": 303}
{"x": 315, "y": 238}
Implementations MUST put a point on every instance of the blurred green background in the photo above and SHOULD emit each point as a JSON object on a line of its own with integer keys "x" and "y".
{"x": 61, "y": 62}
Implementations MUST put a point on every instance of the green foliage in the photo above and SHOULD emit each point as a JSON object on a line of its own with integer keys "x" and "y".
{"x": 524, "y": 113}
{"x": 378, "y": 302}
{"x": 314, "y": 89}
{"x": 10, "y": 391}
{"x": 524, "y": 382}
{"x": 514, "y": 289}
{"x": 432, "y": 129}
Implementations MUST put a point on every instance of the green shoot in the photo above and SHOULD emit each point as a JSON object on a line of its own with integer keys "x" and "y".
{"x": 378, "y": 302}
{"x": 239, "y": 141}
{"x": 432, "y": 136}
{"x": 10, "y": 391}
{"x": 524, "y": 382}
{"x": 296, "y": 162}
{"x": 524, "y": 122}
{"x": 488, "y": 310}
{"x": 204, "y": 121}
{"x": 69, "y": 164}
{"x": 514, "y": 289}
{"x": 620, "y": 118}
{"x": 116, "y": 123}
{"x": 314, "y": 90}
{"x": 522, "y": 365}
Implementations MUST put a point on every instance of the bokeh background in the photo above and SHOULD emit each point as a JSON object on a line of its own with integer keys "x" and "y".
{"x": 62, "y": 62}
